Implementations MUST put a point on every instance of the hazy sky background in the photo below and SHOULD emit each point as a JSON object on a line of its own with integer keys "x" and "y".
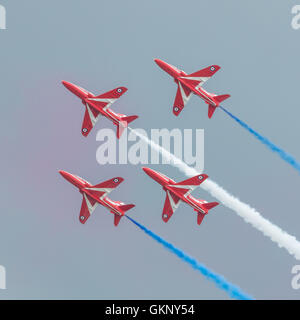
{"x": 104, "y": 44}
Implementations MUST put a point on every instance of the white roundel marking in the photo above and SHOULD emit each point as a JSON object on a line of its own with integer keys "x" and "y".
{"x": 119, "y": 90}
{"x": 212, "y": 68}
{"x": 84, "y": 130}
{"x": 116, "y": 180}
{"x": 165, "y": 216}
{"x": 200, "y": 177}
{"x": 176, "y": 109}
{"x": 81, "y": 217}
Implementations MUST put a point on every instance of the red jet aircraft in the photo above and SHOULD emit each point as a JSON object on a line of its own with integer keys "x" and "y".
{"x": 94, "y": 195}
{"x": 180, "y": 192}
{"x": 95, "y": 106}
{"x": 192, "y": 83}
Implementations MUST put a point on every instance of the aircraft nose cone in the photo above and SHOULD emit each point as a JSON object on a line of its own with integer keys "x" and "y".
{"x": 159, "y": 62}
{"x": 66, "y": 84}
{"x": 70, "y": 86}
{"x": 149, "y": 171}
{"x": 63, "y": 173}
{"x": 165, "y": 66}
{"x": 146, "y": 169}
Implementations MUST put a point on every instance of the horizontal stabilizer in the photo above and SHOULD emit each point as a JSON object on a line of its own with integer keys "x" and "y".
{"x": 200, "y": 217}
{"x": 222, "y": 97}
{"x": 211, "y": 110}
{"x": 129, "y": 119}
{"x": 120, "y": 129}
{"x": 123, "y": 123}
{"x": 117, "y": 219}
{"x": 126, "y": 207}
{"x": 209, "y": 205}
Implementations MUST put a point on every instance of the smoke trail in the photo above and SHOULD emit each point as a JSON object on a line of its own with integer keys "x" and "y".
{"x": 283, "y": 155}
{"x": 250, "y": 215}
{"x": 222, "y": 283}
{"x": 183, "y": 167}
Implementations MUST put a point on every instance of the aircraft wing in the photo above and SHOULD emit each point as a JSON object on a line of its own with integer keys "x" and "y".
{"x": 172, "y": 202}
{"x": 182, "y": 97}
{"x": 105, "y": 100}
{"x": 198, "y": 78}
{"x": 184, "y": 188}
{"x": 102, "y": 189}
{"x": 91, "y": 116}
{"x": 87, "y": 207}
{"x": 96, "y": 105}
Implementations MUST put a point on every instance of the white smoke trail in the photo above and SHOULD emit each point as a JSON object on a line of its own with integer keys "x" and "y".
{"x": 250, "y": 215}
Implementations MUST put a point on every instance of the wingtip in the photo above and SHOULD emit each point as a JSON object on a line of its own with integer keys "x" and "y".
{"x": 124, "y": 89}
{"x": 118, "y": 179}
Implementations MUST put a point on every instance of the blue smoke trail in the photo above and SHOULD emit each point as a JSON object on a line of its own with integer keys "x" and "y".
{"x": 221, "y": 282}
{"x": 283, "y": 155}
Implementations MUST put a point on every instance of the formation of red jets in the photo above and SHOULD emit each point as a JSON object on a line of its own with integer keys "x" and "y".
{"x": 97, "y": 106}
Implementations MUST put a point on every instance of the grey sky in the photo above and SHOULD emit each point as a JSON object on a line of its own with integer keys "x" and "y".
{"x": 101, "y": 45}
